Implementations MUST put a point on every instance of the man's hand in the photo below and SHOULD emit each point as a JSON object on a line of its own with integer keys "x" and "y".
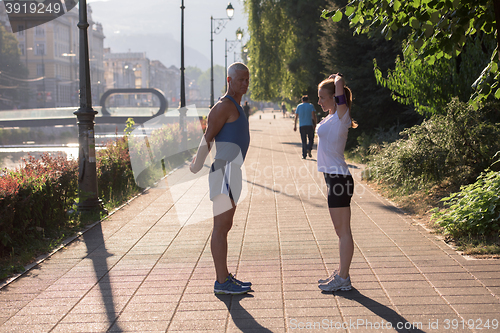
{"x": 200, "y": 157}
{"x": 193, "y": 167}
{"x": 224, "y": 111}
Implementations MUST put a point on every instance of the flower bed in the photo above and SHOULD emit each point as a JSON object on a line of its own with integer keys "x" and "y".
{"x": 34, "y": 200}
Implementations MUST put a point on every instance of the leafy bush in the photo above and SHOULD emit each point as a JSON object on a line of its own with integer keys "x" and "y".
{"x": 457, "y": 146}
{"x": 429, "y": 87}
{"x": 115, "y": 177}
{"x": 369, "y": 144}
{"x": 34, "y": 200}
{"x": 474, "y": 210}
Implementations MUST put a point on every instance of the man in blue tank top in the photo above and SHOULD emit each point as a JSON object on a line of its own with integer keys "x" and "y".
{"x": 228, "y": 130}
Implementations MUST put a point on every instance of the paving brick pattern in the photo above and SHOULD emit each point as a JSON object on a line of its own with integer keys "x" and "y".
{"x": 148, "y": 267}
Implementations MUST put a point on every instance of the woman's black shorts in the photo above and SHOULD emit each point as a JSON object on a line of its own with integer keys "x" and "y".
{"x": 340, "y": 190}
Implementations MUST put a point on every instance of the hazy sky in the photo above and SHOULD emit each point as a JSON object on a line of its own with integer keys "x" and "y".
{"x": 164, "y": 16}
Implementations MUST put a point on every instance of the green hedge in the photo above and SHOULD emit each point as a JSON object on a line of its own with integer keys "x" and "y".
{"x": 37, "y": 199}
{"x": 474, "y": 210}
{"x": 115, "y": 177}
{"x": 34, "y": 200}
{"x": 456, "y": 147}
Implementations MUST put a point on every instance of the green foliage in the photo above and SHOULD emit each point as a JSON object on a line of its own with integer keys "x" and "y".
{"x": 457, "y": 146}
{"x": 474, "y": 210}
{"x": 129, "y": 126}
{"x": 373, "y": 106}
{"x": 430, "y": 87}
{"x": 193, "y": 73}
{"x": 369, "y": 144}
{"x": 283, "y": 48}
{"x": 34, "y": 200}
{"x": 115, "y": 177}
{"x": 201, "y": 79}
{"x": 437, "y": 28}
{"x": 219, "y": 82}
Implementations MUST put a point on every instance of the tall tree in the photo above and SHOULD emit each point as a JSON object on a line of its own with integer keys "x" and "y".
{"x": 284, "y": 48}
{"x": 429, "y": 88}
{"x": 193, "y": 73}
{"x": 438, "y": 28}
{"x": 353, "y": 56}
{"x": 203, "y": 82}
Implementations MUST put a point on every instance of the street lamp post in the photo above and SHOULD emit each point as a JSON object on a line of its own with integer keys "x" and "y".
{"x": 221, "y": 23}
{"x": 183, "y": 90}
{"x": 232, "y": 45}
{"x": 87, "y": 173}
{"x": 182, "y": 109}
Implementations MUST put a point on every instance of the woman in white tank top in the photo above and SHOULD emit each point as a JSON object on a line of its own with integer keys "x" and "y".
{"x": 335, "y": 98}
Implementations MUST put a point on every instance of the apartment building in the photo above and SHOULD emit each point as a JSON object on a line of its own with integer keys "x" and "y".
{"x": 50, "y": 51}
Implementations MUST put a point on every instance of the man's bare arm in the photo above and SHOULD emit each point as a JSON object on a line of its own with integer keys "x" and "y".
{"x": 217, "y": 117}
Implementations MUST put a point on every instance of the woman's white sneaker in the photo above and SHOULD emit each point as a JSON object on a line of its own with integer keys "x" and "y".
{"x": 337, "y": 283}
{"x": 330, "y": 278}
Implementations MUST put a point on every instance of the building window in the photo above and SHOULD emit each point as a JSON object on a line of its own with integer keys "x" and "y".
{"x": 39, "y": 31}
{"x": 40, "y": 49}
{"x": 40, "y": 69}
{"x": 21, "y": 48}
{"x": 20, "y": 30}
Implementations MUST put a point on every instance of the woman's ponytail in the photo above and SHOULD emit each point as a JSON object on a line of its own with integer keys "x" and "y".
{"x": 348, "y": 97}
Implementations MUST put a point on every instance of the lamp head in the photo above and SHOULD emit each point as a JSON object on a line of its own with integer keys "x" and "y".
{"x": 230, "y": 11}
{"x": 239, "y": 33}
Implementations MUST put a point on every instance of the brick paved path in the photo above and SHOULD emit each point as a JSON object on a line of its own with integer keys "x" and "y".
{"x": 148, "y": 268}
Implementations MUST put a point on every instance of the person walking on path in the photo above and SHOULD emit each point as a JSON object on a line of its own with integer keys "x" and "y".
{"x": 283, "y": 109}
{"x": 335, "y": 98}
{"x": 246, "y": 109}
{"x": 306, "y": 115}
{"x": 227, "y": 126}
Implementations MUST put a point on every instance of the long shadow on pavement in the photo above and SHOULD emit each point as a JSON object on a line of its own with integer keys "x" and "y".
{"x": 241, "y": 317}
{"x": 271, "y": 190}
{"x": 298, "y": 143}
{"x": 97, "y": 252}
{"x": 391, "y": 208}
{"x": 399, "y": 323}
